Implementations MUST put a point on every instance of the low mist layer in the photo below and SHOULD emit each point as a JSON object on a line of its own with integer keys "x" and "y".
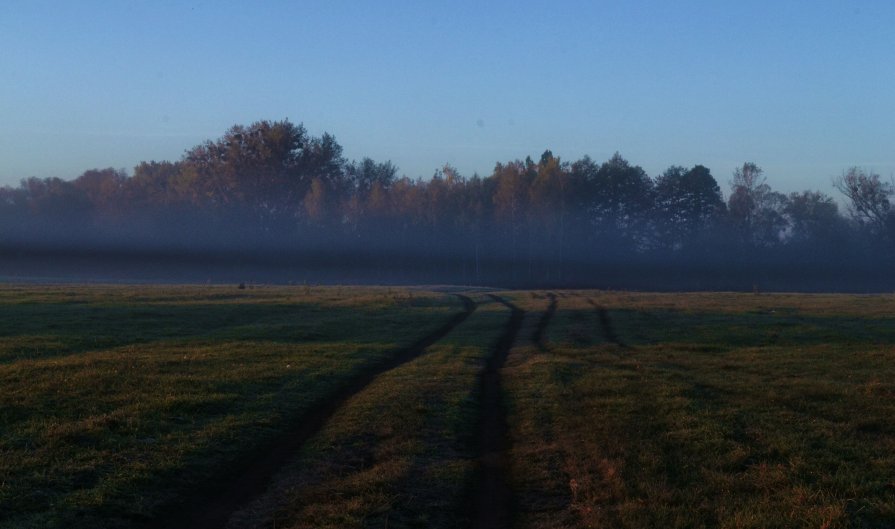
{"x": 269, "y": 203}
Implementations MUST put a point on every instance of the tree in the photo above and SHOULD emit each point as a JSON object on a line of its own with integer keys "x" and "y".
{"x": 748, "y": 187}
{"x": 548, "y": 211}
{"x": 367, "y": 183}
{"x": 155, "y": 183}
{"x": 813, "y": 217}
{"x": 510, "y": 199}
{"x": 756, "y": 210}
{"x": 13, "y": 212}
{"x": 620, "y": 203}
{"x": 582, "y": 195}
{"x": 868, "y": 198}
{"x": 265, "y": 168}
{"x": 104, "y": 189}
{"x": 56, "y": 205}
{"x": 366, "y": 174}
{"x": 317, "y": 201}
{"x": 688, "y": 203}
{"x": 322, "y": 158}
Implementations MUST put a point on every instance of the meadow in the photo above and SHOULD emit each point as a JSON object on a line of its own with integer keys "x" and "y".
{"x": 213, "y": 406}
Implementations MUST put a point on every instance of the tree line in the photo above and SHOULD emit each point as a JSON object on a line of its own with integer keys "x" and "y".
{"x": 288, "y": 204}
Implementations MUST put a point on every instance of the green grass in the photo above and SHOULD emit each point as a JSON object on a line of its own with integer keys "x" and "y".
{"x": 717, "y": 416}
{"x": 184, "y": 382}
{"x": 399, "y": 454}
{"x": 724, "y": 410}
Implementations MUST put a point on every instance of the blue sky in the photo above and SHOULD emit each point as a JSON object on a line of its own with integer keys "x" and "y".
{"x": 803, "y": 88}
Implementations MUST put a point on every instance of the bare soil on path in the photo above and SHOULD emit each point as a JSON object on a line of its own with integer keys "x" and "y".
{"x": 539, "y": 338}
{"x": 492, "y": 496}
{"x": 606, "y": 323}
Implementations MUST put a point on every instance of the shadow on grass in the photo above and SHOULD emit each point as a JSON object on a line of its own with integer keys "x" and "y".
{"x": 50, "y": 330}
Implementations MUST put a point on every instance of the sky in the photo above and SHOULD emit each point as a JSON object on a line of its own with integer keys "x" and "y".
{"x": 805, "y": 89}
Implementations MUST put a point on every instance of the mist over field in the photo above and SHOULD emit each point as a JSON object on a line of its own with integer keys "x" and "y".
{"x": 268, "y": 202}
{"x": 565, "y": 265}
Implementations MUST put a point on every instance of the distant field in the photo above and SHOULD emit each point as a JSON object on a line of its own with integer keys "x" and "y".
{"x": 154, "y": 406}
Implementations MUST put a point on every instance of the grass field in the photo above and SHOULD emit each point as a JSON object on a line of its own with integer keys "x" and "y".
{"x": 369, "y": 407}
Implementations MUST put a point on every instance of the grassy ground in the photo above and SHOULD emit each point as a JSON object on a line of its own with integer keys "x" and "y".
{"x": 723, "y": 411}
{"x": 634, "y": 410}
{"x": 114, "y": 401}
{"x": 399, "y": 454}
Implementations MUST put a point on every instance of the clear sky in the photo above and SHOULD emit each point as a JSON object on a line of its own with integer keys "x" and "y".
{"x": 805, "y": 89}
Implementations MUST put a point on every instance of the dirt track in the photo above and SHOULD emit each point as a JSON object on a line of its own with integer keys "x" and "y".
{"x": 213, "y": 506}
{"x": 606, "y": 324}
{"x": 539, "y": 337}
{"x": 492, "y": 496}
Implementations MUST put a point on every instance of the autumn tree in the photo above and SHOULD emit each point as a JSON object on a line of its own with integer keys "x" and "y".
{"x": 549, "y": 208}
{"x": 105, "y": 190}
{"x": 511, "y": 201}
{"x": 156, "y": 184}
{"x": 263, "y": 168}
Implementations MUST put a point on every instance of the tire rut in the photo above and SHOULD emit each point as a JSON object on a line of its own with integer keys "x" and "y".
{"x": 212, "y": 508}
{"x": 492, "y": 498}
{"x": 539, "y": 336}
{"x": 606, "y": 324}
